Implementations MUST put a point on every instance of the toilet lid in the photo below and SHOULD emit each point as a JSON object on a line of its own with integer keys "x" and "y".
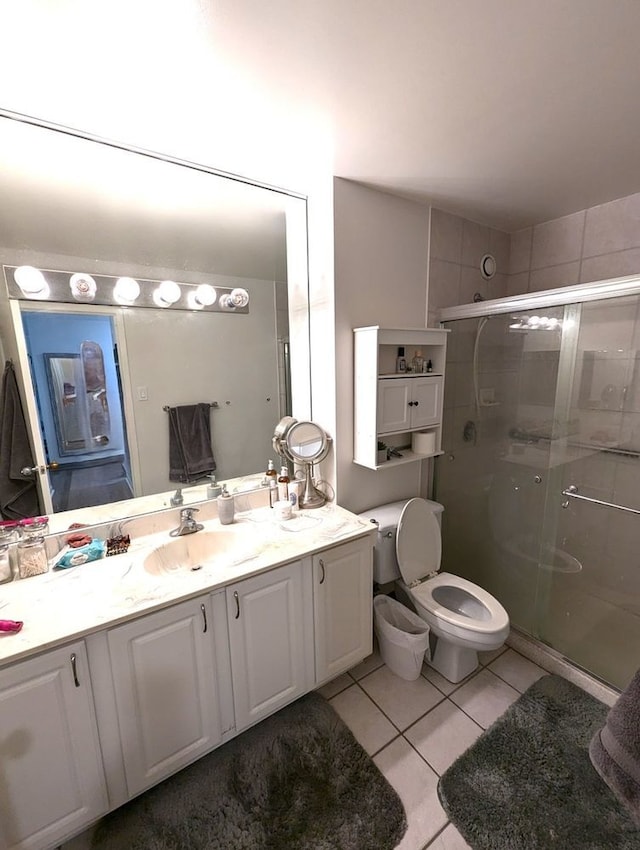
{"x": 418, "y": 541}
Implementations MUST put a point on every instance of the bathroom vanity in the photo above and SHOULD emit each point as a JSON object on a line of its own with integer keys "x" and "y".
{"x": 129, "y": 668}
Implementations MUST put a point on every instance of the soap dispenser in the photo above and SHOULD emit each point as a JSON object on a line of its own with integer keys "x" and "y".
{"x": 226, "y": 507}
{"x": 213, "y": 488}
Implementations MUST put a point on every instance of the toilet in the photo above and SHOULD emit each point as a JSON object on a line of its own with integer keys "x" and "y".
{"x": 463, "y": 618}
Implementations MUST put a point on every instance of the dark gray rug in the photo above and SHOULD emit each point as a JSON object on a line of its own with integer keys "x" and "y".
{"x": 528, "y": 783}
{"x": 297, "y": 781}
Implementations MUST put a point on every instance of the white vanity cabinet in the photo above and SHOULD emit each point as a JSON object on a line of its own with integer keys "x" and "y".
{"x": 271, "y": 640}
{"x": 389, "y": 405}
{"x": 166, "y": 695}
{"x": 51, "y": 778}
{"x": 342, "y": 607}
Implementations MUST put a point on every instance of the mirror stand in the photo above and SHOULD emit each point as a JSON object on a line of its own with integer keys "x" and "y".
{"x": 303, "y": 443}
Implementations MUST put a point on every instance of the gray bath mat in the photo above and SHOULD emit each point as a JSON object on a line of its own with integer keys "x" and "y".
{"x": 297, "y": 781}
{"x": 528, "y": 784}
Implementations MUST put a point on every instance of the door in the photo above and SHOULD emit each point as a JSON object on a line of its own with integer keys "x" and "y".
{"x": 343, "y": 605}
{"x": 74, "y": 405}
{"x": 427, "y": 401}
{"x": 394, "y": 411}
{"x": 269, "y": 662}
{"x": 51, "y": 777}
{"x": 165, "y": 689}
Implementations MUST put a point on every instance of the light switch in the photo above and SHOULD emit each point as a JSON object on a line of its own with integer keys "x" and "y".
{"x": 143, "y": 394}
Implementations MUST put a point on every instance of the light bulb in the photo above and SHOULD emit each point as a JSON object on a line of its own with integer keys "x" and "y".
{"x": 203, "y": 296}
{"x": 235, "y": 299}
{"x": 126, "y": 290}
{"x": 83, "y": 287}
{"x": 166, "y": 294}
{"x": 31, "y": 282}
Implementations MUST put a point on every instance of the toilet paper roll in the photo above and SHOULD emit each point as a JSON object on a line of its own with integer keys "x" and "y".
{"x": 423, "y": 442}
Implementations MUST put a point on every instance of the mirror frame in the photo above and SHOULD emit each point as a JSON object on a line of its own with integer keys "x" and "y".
{"x": 14, "y": 345}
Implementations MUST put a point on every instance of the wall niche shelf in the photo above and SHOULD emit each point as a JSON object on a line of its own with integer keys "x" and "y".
{"x": 390, "y": 406}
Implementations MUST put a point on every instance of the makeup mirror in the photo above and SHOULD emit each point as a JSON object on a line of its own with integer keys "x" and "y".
{"x": 304, "y": 444}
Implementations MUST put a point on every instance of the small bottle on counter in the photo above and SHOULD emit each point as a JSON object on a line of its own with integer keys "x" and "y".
{"x": 295, "y": 489}
{"x": 273, "y": 492}
{"x": 226, "y": 507}
{"x": 271, "y": 473}
{"x": 283, "y": 484}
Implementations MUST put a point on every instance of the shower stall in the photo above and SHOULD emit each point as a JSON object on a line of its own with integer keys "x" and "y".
{"x": 540, "y": 471}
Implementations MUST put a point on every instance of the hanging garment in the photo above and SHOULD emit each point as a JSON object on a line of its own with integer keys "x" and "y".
{"x": 190, "y": 452}
{"x": 18, "y": 492}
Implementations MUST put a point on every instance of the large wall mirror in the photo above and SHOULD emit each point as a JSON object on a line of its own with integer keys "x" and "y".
{"x": 76, "y": 205}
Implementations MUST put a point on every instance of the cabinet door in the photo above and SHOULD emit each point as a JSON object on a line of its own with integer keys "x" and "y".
{"x": 266, "y": 634}
{"x": 165, "y": 688}
{"x": 51, "y": 778}
{"x": 343, "y": 604}
{"x": 394, "y": 410}
{"x": 427, "y": 401}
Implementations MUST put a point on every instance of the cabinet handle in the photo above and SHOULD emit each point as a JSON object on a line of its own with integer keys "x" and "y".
{"x": 235, "y": 596}
{"x": 74, "y": 670}
{"x": 204, "y": 618}
{"x": 323, "y": 573}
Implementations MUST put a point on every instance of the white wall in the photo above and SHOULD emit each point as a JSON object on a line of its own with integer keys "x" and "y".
{"x": 381, "y": 253}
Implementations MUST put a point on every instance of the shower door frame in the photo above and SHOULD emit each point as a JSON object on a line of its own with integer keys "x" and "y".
{"x": 570, "y": 298}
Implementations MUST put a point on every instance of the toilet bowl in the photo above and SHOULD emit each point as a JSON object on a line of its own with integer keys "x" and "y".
{"x": 463, "y": 617}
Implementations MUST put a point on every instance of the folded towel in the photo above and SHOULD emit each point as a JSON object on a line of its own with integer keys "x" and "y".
{"x": 615, "y": 749}
{"x": 18, "y": 492}
{"x": 190, "y": 453}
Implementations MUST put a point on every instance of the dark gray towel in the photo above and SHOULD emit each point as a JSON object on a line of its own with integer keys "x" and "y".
{"x": 190, "y": 453}
{"x": 615, "y": 749}
{"x": 18, "y": 493}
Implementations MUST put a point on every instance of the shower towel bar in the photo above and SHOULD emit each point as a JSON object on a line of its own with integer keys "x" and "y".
{"x": 572, "y": 493}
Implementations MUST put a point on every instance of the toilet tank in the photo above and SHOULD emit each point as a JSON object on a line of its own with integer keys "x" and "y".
{"x": 385, "y": 564}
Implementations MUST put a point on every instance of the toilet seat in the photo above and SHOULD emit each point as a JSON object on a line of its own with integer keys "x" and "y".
{"x": 460, "y": 608}
{"x": 493, "y": 617}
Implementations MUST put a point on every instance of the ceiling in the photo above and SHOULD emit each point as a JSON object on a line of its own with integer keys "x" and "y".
{"x": 510, "y": 112}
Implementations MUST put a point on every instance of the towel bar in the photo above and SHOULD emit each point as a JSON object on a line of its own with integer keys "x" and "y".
{"x": 571, "y": 492}
{"x": 167, "y": 407}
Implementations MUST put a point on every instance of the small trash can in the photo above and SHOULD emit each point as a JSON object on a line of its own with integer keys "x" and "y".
{"x": 402, "y": 636}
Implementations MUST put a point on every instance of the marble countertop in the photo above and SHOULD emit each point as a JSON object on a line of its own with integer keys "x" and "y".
{"x": 62, "y": 605}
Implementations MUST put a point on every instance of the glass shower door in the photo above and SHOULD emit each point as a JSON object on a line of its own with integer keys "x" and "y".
{"x": 593, "y": 616}
{"x": 499, "y": 430}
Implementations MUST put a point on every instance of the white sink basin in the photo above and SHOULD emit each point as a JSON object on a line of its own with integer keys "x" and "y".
{"x": 194, "y": 551}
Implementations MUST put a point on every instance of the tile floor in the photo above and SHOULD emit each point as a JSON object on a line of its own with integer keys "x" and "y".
{"x": 415, "y": 730}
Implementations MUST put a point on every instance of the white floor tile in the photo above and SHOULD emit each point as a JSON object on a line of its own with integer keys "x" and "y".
{"x": 416, "y": 785}
{"x": 335, "y": 686}
{"x": 370, "y": 727}
{"x": 371, "y": 663}
{"x": 487, "y": 657}
{"x": 403, "y": 702}
{"x": 485, "y": 697}
{"x": 449, "y": 839}
{"x": 439, "y": 680}
{"x": 518, "y": 671}
{"x": 443, "y": 735}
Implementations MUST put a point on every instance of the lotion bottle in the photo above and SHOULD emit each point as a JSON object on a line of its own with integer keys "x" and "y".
{"x": 226, "y": 507}
{"x": 283, "y": 484}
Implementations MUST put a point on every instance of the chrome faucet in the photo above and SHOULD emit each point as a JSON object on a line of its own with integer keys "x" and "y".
{"x": 188, "y": 525}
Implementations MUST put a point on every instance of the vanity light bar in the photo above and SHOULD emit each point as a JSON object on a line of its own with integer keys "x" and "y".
{"x": 26, "y": 283}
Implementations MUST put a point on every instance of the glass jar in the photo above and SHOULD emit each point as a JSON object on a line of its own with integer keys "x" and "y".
{"x": 35, "y": 526}
{"x": 32, "y": 556}
{"x": 8, "y": 535}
